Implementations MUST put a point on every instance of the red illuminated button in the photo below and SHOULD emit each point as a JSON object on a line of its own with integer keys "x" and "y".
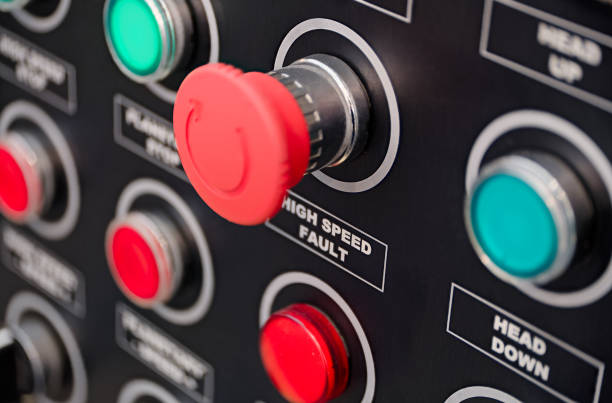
{"x": 22, "y": 195}
{"x": 304, "y": 355}
{"x": 145, "y": 257}
{"x": 242, "y": 139}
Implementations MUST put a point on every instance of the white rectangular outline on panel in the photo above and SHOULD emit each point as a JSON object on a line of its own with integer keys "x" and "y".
{"x": 600, "y": 366}
{"x": 66, "y": 105}
{"x": 404, "y": 18}
{"x": 209, "y": 386}
{"x": 79, "y": 308}
{"x": 294, "y": 240}
{"x": 121, "y": 100}
{"x": 579, "y": 93}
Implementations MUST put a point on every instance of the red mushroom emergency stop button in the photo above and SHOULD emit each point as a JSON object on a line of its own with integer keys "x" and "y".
{"x": 304, "y": 355}
{"x": 245, "y": 139}
{"x": 145, "y": 255}
{"x": 26, "y": 178}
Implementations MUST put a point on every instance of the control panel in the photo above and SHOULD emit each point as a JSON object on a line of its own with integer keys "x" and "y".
{"x": 343, "y": 201}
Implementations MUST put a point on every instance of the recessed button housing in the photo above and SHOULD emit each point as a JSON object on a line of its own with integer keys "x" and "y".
{"x": 33, "y": 361}
{"x": 525, "y": 216}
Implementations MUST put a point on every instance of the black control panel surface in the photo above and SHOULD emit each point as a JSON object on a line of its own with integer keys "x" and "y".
{"x": 381, "y": 244}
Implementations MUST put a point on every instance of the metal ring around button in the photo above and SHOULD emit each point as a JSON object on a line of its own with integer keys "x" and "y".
{"x": 561, "y": 127}
{"x": 550, "y": 191}
{"x": 480, "y": 391}
{"x": 25, "y": 302}
{"x": 134, "y": 390}
{"x": 171, "y": 38}
{"x": 324, "y": 24}
{"x": 294, "y": 277}
{"x": 191, "y": 315}
{"x": 168, "y": 95}
{"x": 45, "y": 24}
{"x": 60, "y": 228}
{"x": 33, "y": 357}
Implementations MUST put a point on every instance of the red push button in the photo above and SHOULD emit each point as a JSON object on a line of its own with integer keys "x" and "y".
{"x": 21, "y": 182}
{"x": 304, "y": 355}
{"x": 144, "y": 257}
{"x": 245, "y": 139}
{"x": 242, "y": 139}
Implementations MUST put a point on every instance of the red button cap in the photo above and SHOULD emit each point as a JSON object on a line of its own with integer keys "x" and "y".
{"x": 139, "y": 260}
{"x": 20, "y": 183}
{"x": 304, "y": 355}
{"x": 242, "y": 140}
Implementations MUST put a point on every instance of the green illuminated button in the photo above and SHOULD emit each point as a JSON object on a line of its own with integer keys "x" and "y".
{"x": 514, "y": 226}
{"x": 146, "y": 37}
{"x": 523, "y": 218}
{"x": 10, "y": 5}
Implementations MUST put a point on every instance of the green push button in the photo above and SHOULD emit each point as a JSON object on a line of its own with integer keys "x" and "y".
{"x": 135, "y": 35}
{"x": 514, "y": 226}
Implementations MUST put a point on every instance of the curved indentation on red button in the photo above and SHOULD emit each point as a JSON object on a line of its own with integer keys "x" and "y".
{"x": 304, "y": 355}
{"x": 226, "y": 153}
{"x": 135, "y": 263}
{"x": 242, "y": 140}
